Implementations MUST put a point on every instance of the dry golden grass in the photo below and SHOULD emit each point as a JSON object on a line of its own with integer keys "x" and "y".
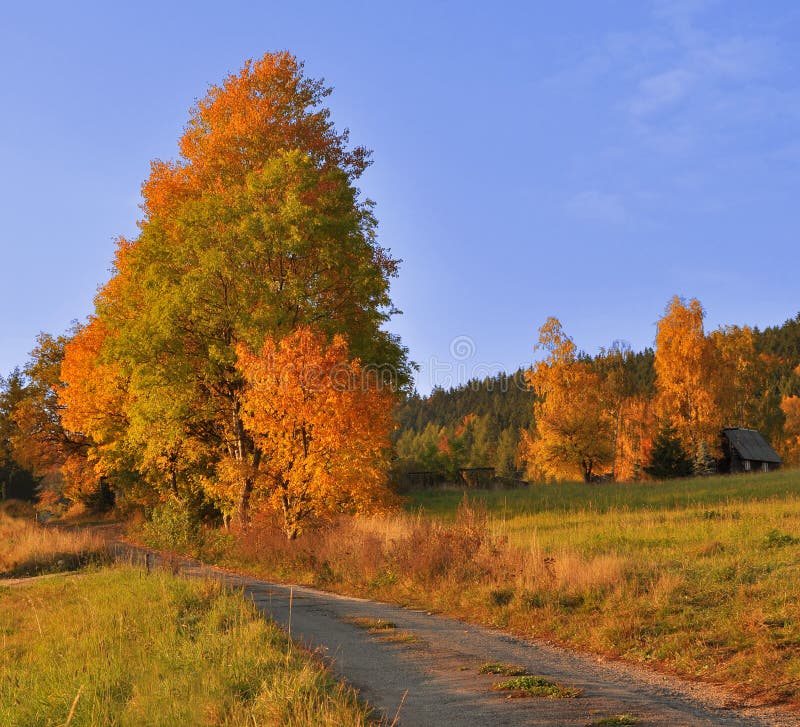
{"x": 28, "y": 548}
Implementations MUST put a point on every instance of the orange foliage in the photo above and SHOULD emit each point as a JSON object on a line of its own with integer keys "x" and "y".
{"x": 93, "y": 403}
{"x": 321, "y": 428}
{"x": 737, "y": 375}
{"x": 81, "y": 479}
{"x": 686, "y": 366}
{"x": 40, "y": 442}
{"x": 634, "y": 439}
{"x": 264, "y": 109}
{"x": 94, "y": 392}
{"x": 790, "y": 405}
{"x": 255, "y": 229}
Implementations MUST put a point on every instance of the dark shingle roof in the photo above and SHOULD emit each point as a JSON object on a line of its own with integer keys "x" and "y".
{"x": 751, "y": 445}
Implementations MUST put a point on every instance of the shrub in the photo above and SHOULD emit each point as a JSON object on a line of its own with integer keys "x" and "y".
{"x": 173, "y": 527}
{"x": 501, "y": 596}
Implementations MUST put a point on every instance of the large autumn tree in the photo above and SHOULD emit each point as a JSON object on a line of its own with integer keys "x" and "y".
{"x": 255, "y": 230}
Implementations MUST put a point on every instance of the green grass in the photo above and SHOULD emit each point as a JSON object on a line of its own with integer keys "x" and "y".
{"x": 400, "y": 637}
{"x": 535, "y": 686}
{"x": 372, "y": 625}
{"x": 117, "y": 647}
{"x": 507, "y": 670}
{"x": 565, "y": 497}
{"x": 616, "y": 720}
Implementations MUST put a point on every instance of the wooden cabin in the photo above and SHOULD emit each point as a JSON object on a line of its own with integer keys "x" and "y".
{"x": 476, "y": 476}
{"x": 746, "y": 450}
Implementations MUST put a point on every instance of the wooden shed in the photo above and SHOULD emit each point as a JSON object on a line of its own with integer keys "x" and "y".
{"x": 476, "y": 476}
{"x": 746, "y": 450}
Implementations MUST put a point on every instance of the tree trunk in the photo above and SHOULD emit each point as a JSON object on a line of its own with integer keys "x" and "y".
{"x": 242, "y": 444}
{"x": 243, "y": 509}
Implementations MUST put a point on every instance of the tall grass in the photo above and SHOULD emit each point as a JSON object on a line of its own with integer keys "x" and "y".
{"x": 700, "y": 577}
{"x": 117, "y": 647}
{"x": 28, "y": 548}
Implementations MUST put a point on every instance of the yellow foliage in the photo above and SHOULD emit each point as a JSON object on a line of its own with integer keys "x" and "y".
{"x": 685, "y": 364}
{"x": 573, "y": 435}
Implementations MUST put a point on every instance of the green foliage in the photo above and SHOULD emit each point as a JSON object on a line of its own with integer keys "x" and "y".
{"x": 258, "y": 229}
{"x": 477, "y": 424}
{"x": 776, "y": 539}
{"x": 505, "y": 397}
{"x": 668, "y": 459}
{"x": 173, "y": 526}
{"x": 498, "y": 408}
{"x": 501, "y": 596}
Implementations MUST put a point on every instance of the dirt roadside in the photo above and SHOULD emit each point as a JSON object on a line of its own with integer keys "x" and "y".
{"x": 431, "y": 664}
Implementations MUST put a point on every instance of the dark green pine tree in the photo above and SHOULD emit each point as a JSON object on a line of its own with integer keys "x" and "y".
{"x": 669, "y": 458}
{"x": 16, "y": 482}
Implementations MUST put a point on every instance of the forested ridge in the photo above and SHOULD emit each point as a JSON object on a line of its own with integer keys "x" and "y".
{"x": 482, "y": 422}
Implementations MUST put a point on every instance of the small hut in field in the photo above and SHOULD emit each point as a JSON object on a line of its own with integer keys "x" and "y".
{"x": 746, "y": 450}
{"x": 476, "y": 476}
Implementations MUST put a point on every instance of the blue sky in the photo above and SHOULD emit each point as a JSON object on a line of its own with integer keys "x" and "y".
{"x": 586, "y": 160}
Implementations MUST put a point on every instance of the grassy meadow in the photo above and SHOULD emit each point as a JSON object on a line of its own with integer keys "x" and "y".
{"x": 701, "y": 576}
{"x": 118, "y": 647}
{"x": 698, "y": 577}
{"x": 27, "y": 548}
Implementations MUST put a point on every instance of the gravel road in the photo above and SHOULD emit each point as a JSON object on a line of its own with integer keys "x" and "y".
{"x": 431, "y": 667}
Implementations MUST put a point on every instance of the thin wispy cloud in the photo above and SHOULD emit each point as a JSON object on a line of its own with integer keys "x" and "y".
{"x": 682, "y": 64}
{"x": 596, "y": 206}
{"x": 703, "y": 78}
{"x": 661, "y": 91}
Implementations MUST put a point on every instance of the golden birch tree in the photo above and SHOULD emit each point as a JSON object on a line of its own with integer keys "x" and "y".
{"x": 573, "y": 432}
{"x": 685, "y": 364}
